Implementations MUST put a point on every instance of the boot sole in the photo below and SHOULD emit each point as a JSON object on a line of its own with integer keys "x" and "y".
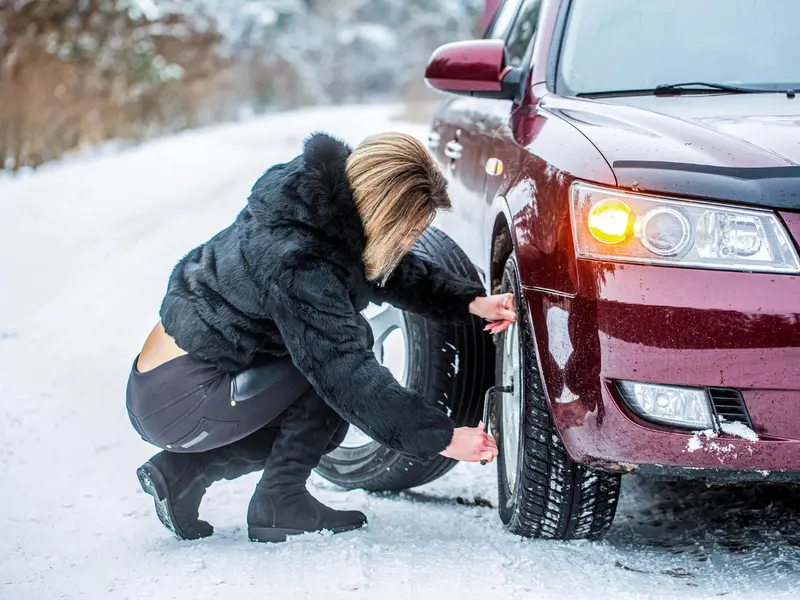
{"x": 275, "y": 535}
{"x": 153, "y": 483}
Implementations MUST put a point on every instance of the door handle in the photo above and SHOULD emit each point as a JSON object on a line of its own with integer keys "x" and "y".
{"x": 453, "y": 150}
{"x": 434, "y": 139}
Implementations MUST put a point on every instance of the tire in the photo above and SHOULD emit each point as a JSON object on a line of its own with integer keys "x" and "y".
{"x": 447, "y": 364}
{"x": 550, "y": 496}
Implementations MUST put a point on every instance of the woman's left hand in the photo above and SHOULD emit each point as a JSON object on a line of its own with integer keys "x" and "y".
{"x": 497, "y": 309}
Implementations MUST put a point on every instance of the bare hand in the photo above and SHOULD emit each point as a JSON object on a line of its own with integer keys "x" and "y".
{"x": 497, "y": 309}
{"x": 471, "y": 444}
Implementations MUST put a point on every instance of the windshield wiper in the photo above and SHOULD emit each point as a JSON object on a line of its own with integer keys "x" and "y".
{"x": 700, "y": 87}
{"x": 676, "y": 89}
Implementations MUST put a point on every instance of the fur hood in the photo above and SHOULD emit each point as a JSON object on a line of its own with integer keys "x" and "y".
{"x": 312, "y": 192}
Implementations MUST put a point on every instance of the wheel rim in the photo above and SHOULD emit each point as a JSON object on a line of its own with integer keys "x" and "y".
{"x": 389, "y": 330}
{"x": 511, "y": 406}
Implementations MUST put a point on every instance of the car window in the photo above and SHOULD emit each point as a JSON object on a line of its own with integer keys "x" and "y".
{"x": 522, "y": 32}
{"x": 502, "y": 22}
{"x": 618, "y": 45}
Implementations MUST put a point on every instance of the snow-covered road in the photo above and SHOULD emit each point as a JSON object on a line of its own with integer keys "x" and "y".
{"x": 86, "y": 248}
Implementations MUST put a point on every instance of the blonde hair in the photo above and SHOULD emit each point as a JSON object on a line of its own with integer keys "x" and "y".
{"x": 397, "y": 189}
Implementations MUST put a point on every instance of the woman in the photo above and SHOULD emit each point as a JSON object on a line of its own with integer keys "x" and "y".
{"x": 261, "y": 356}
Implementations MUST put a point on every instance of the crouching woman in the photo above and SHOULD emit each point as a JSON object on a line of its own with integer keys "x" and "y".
{"x": 261, "y": 357}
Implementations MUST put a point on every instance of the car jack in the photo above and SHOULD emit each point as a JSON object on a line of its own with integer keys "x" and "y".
{"x": 489, "y": 419}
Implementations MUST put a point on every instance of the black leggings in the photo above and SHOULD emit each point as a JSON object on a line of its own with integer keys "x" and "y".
{"x": 187, "y": 405}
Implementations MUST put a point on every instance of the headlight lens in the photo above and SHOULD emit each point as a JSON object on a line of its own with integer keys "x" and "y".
{"x": 610, "y": 224}
{"x": 610, "y": 221}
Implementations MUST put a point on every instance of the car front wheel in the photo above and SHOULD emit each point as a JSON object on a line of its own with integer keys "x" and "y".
{"x": 541, "y": 492}
{"x": 448, "y": 365}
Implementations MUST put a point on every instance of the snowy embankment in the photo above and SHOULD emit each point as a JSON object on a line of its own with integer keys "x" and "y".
{"x": 87, "y": 246}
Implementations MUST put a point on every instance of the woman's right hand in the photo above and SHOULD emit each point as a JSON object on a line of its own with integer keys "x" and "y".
{"x": 471, "y": 444}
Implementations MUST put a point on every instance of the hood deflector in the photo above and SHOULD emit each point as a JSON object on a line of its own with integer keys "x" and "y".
{"x": 773, "y": 187}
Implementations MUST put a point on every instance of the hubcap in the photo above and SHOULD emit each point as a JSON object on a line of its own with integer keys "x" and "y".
{"x": 389, "y": 330}
{"x": 512, "y": 404}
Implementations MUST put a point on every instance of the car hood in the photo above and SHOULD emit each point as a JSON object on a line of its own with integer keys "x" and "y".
{"x": 735, "y": 147}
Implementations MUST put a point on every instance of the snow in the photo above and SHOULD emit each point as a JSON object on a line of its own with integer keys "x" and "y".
{"x": 694, "y": 443}
{"x": 735, "y": 429}
{"x": 88, "y": 245}
{"x": 738, "y": 429}
{"x": 720, "y": 450}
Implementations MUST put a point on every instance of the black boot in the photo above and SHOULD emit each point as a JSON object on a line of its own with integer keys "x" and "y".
{"x": 281, "y": 506}
{"x": 178, "y": 481}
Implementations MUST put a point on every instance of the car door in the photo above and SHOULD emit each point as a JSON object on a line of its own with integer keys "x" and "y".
{"x": 441, "y": 129}
{"x": 481, "y": 134}
{"x": 463, "y": 223}
{"x": 501, "y": 146}
{"x": 445, "y": 142}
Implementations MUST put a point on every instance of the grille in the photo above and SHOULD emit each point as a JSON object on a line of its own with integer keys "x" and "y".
{"x": 729, "y": 405}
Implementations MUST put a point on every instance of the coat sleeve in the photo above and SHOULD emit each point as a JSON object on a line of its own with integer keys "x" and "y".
{"x": 331, "y": 344}
{"x": 420, "y": 286}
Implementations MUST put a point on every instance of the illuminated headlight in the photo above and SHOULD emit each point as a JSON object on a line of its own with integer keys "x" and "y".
{"x": 671, "y": 405}
{"x": 609, "y": 224}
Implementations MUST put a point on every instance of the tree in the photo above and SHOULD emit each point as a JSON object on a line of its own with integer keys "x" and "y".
{"x": 77, "y": 72}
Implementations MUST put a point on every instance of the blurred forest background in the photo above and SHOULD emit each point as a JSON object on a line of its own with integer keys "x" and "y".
{"x": 75, "y": 73}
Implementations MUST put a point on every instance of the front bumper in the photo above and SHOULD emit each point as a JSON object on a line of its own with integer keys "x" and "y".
{"x": 679, "y": 327}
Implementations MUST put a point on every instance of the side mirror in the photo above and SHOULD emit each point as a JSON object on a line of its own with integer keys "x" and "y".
{"x": 474, "y": 68}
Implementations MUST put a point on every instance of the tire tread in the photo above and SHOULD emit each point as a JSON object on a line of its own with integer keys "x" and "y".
{"x": 556, "y": 498}
{"x": 464, "y": 393}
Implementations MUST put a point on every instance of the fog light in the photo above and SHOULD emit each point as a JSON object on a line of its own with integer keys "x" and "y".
{"x": 681, "y": 406}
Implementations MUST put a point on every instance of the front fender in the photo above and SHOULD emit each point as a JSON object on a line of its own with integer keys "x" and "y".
{"x": 535, "y": 200}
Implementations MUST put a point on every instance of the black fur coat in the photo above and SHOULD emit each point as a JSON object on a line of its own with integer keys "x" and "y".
{"x": 287, "y": 277}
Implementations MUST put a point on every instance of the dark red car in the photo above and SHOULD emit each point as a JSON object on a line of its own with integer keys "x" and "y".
{"x": 631, "y": 172}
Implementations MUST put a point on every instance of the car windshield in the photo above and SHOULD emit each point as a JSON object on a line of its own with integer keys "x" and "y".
{"x": 619, "y": 45}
